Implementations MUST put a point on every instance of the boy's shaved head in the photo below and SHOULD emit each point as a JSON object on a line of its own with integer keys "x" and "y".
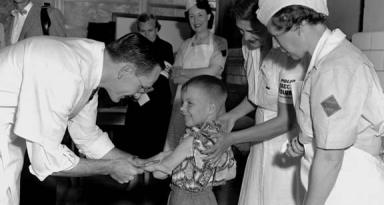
{"x": 212, "y": 87}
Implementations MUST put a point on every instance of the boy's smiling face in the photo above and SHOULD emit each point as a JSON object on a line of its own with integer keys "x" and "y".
{"x": 196, "y": 106}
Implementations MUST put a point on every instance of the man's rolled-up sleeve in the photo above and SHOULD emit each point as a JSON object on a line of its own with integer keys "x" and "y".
{"x": 49, "y": 158}
{"x": 88, "y": 137}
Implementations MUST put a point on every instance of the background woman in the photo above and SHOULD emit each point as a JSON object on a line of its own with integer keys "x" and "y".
{"x": 204, "y": 53}
{"x": 270, "y": 178}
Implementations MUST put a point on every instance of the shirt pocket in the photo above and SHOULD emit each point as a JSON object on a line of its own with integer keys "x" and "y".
{"x": 269, "y": 82}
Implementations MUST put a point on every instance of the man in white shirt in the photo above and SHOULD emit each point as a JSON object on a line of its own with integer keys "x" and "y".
{"x": 46, "y": 86}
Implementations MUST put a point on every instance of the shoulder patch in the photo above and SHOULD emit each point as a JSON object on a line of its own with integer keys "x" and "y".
{"x": 330, "y": 106}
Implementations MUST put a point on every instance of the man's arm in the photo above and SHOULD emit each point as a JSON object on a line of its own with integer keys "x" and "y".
{"x": 116, "y": 163}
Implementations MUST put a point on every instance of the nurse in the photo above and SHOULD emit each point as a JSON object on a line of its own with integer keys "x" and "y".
{"x": 203, "y": 54}
{"x": 270, "y": 177}
{"x": 48, "y": 85}
{"x": 340, "y": 110}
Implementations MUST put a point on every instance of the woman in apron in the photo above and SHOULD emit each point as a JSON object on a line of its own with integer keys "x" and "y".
{"x": 204, "y": 53}
{"x": 270, "y": 178}
{"x": 340, "y": 109}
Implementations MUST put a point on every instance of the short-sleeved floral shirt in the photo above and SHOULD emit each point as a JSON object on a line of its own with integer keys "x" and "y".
{"x": 194, "y": 173}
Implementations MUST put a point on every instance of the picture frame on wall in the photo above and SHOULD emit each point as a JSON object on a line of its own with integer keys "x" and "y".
{"x": 173, "y": 29}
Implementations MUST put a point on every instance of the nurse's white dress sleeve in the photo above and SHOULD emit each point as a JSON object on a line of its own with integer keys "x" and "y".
{"x": 91, "y": 141}
{"x": 337, "y": 99}
{"x": 46, "y": 98}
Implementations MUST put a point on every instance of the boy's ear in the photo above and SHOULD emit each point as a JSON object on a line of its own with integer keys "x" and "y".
{"x": 127, "y": 69}
{"x": 212, "y": 108}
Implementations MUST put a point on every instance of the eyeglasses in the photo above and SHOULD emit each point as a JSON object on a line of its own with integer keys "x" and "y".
{"x": 144, "y": 89}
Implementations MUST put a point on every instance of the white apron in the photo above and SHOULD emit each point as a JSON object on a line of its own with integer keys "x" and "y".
{"x": 270, "y": 178}
{"x": 197, "y": 56}
{"x": 12, "y": 149}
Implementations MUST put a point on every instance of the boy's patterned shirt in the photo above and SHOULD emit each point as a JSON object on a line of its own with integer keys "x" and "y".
{"x": 194, "y": 174}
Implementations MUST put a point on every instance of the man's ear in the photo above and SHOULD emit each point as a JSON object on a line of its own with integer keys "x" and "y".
{"x": 127, "y": 69}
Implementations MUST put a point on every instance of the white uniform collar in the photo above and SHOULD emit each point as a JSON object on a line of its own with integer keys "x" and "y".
{"x": 328, "y": 41}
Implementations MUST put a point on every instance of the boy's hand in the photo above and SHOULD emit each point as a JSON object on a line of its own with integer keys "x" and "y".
{"x": 159, "y": 175}
{"x": 158, "y": 170}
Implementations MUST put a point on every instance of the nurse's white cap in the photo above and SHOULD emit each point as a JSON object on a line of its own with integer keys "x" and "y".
{"x": 267, "y": 8}
{"x": 189, "y": 4}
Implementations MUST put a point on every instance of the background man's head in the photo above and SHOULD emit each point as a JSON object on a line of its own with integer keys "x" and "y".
{"x": 148, "y": 26}
{"x": 135, "y": 67}
{"x": 203, "y": 99}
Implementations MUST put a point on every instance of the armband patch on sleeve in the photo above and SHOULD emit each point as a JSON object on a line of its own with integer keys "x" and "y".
{"x": 330, "y": 106}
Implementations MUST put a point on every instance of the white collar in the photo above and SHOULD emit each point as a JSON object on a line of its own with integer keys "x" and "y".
{"x": 327, "y": 42}
{"x": 25, "y": 10}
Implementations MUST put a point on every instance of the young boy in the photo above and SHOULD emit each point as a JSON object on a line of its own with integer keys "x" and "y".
{"x": 203, "y": 100}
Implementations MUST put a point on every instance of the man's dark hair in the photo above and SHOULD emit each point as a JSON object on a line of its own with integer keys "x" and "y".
{"x": 144, "y": 17}
{"x": 204, "y": 5}
{"x": 294, "y": 15}
{"x": 136, "y": 49}
{"x": 211, "y": 86}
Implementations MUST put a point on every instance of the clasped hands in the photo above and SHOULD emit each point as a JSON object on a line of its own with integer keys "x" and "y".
{"x": 124, "y": 170}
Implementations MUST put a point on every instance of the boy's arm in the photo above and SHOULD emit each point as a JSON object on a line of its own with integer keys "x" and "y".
{"x": 182, "y": 151}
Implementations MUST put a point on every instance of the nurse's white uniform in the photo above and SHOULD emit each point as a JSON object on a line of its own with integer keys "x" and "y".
{"x": 342, "y": 107}
{"x": 45, "y": 86}
{"x": 270, "y": 178}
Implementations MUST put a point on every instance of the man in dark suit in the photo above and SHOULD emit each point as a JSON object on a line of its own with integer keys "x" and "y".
{"x": 26, "y": 21}
{"x": 153, "y": 108}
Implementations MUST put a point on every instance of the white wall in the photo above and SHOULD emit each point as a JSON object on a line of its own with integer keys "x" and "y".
{"x": 373, "y": 15}
{"x": 344, "y": 14}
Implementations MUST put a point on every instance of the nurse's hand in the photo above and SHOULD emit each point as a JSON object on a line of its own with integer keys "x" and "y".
{"x": 123, "y": 170}
{"x": 295, "y": 148}
{"x": 217, "y": 150}
{"x": 228, "y": 122}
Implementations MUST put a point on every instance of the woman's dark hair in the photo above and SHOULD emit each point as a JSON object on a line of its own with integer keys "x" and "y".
{"x": 144, "y": 17}
{"x": 246, "y": 10}
{"x": 294, "y": 15}
{"x": 133, "y": 48}
{"x": 204, "y": 5}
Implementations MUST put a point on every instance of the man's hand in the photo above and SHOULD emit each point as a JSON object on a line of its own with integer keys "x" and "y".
{"x": 123, "y": 170}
